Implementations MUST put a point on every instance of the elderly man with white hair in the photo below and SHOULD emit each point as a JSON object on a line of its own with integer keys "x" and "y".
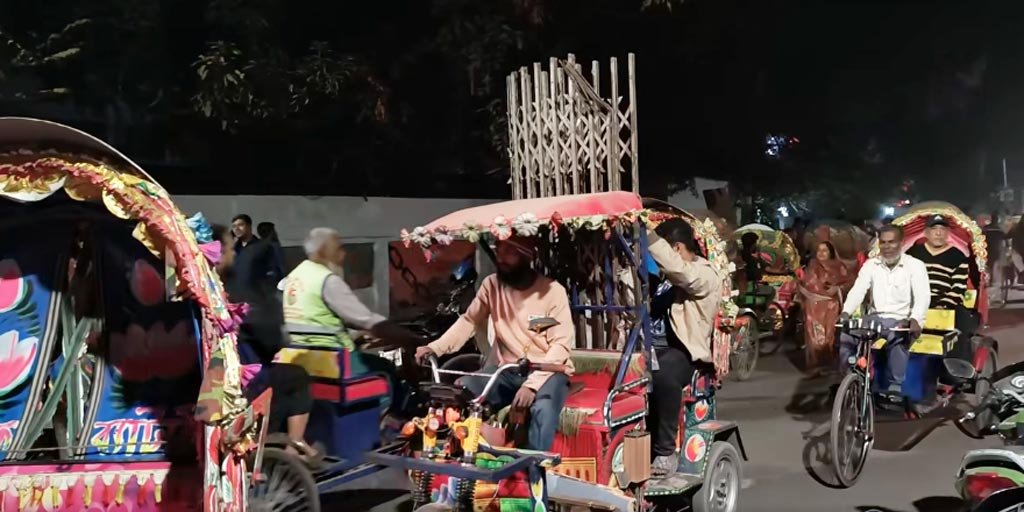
{"x": 316, "y": 296}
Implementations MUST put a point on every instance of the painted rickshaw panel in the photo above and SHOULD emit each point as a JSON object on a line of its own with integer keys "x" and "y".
{"x": 44, "y": 163}
{"x": 778, "y": 245}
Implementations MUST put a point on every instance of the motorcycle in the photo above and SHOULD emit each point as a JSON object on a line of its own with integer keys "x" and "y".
{"x": 431, "y": 325}
{"x": 988, "y": 472}
{"x": 1007, "y": 500}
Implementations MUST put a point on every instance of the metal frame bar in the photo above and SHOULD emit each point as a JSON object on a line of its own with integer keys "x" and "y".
{"x": 522, "y": 460}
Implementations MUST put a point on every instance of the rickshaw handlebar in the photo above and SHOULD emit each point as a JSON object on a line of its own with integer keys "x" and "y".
{"x": 873, "y": 329}
{"x": 524, "y": 366}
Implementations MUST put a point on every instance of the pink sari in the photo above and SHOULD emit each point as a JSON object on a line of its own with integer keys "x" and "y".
{"x": 822, "y": 286}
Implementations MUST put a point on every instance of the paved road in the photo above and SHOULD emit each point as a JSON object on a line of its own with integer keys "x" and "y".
{"x": 783, "y": 418}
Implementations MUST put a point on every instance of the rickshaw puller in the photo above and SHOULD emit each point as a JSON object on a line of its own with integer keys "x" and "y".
{"x": 315, "y": 295}
{"x": 510, "y": 298}
{"x": 900, "y": 296}
{"x": 683, "y": 316}
{"x": 948, "y": 271}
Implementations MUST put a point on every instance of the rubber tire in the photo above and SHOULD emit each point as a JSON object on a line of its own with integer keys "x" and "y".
{"x": 981, "y": 387}
{"x": 849, "y": 381}
{"x": 744, "y": 369}
{"x": 720, "y": 450}
{"x": 295, "y": 465}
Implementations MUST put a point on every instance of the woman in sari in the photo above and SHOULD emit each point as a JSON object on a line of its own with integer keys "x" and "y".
{"x": 823, "y": 285}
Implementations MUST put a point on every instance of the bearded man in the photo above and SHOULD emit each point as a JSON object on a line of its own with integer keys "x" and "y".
{"x": 511, "y": 298}
{"x": 900, "y": 296}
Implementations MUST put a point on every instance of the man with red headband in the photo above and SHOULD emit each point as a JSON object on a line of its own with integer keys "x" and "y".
{"x": 512, "y": 297}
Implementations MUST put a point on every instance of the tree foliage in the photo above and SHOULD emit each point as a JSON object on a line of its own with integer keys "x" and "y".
{"x": 399, "y": 96}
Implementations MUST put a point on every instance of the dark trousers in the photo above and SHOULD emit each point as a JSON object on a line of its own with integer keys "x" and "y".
{"x": 675, "y": 372}
{"x": 897, "y": 351}
{"x": 967, "y": 320}
{"x": 290, "y": 384}
{"x": 545, "y": 411}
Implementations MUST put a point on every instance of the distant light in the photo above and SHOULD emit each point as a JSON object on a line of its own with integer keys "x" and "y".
{"x": 784, "y": 211}
{"x": 888, "y": 211}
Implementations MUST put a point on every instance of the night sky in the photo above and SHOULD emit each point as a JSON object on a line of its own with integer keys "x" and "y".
{"x": 876, "y": 92}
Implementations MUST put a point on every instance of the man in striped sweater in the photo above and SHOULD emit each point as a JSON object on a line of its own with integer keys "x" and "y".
{"x": 948, "y": 272}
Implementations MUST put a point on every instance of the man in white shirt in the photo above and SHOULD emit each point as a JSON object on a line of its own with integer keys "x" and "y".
{"x": 900, "y": 295}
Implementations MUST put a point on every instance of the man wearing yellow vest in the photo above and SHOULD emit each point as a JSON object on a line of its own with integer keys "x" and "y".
{"x": 317, "y": 297}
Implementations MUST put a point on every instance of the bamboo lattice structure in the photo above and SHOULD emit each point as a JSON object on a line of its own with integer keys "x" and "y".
{"x": 564, "y": 137}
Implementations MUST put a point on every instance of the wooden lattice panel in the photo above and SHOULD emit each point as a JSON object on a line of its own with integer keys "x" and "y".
{"x": 564, "y": 137}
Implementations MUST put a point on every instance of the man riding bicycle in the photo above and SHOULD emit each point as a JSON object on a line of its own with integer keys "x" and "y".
{"x": 900, "y": 297}
{"x": 510, "y": 299}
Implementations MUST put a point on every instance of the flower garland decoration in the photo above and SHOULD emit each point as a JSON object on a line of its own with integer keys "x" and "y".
{"x": 442, "y": 236}
{"x": 501, "y": 228}
{"x": 201, "y": 228}
{"x": 526, "y": 224}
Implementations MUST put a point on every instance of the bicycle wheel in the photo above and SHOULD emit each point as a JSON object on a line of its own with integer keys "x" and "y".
{"x": 853, "y": 429}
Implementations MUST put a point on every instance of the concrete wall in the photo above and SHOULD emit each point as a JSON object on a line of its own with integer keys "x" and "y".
{"x": 374, "y": 220}
{"x": 354, "y": 217}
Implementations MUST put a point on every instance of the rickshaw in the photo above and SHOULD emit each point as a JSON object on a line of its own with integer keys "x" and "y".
{"x": 119, "y": 384}
{"x": 595, "y": 245}
{"x": 860, "y": 393}
{"x": 766, "y": 307}
{"x": 848, "y": 240}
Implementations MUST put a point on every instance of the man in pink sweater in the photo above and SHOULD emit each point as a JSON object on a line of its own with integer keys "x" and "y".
{"x": 510, "y": 299}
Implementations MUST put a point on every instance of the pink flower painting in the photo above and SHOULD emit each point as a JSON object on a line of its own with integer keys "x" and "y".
{"x": 147, "y": 284}
{"x": 12, "y": 286}
{"x": 16, "y": 357}
{"x": 140, "y": 355}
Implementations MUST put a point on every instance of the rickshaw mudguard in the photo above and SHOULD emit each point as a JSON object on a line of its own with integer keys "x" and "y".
{"x": 699, "y": 438}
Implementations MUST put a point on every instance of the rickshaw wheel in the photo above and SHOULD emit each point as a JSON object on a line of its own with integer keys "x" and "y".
{"x": 850, "y": 444}
{"x": 722, "y": 478}
{"x": 287, "y": 486}
{"x": 745, "y": 350}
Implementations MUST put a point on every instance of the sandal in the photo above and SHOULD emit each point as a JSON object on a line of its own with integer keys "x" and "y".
{"x": 313, "y": 456}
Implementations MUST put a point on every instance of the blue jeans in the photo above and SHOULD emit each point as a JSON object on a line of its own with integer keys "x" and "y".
{"x": 545, "y": 411}
{"x": 896, "y": 351}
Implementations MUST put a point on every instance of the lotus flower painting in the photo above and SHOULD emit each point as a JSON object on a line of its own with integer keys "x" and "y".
{"x": 16, "y": 357}
{"x": 12, "y": 286}
{"x": 147, "y": 284}
{"x": 140, "y": 355}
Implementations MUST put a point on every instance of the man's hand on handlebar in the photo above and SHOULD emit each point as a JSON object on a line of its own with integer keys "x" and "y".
{"x": 524, "y": 397}
{"x": 423, "y": 354}
{"x": 913, "y": 326}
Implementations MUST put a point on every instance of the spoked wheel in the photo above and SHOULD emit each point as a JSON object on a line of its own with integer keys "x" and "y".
{"x": 745, "y": 350}
{"x": 722, "y": 478}
{"x": 853, "y": 429}
{"x": 287, "y": 485}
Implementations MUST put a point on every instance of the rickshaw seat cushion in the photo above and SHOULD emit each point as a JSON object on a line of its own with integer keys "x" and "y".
{"x": 927, "y": 344}
{"x": 332, "y": 377}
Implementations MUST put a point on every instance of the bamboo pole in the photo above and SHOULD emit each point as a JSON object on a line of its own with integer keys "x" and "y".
{"x": 635, "y": 160}
{"x": 614, "y": 163}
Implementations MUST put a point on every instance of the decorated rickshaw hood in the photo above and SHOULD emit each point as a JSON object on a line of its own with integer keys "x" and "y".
{"x": 774, "y": 242}
{"x": 965, "y": 234}
{"x": 524, "y": 217}
{"x": 596, "y": 212}
{"x": 40, "y": 158}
